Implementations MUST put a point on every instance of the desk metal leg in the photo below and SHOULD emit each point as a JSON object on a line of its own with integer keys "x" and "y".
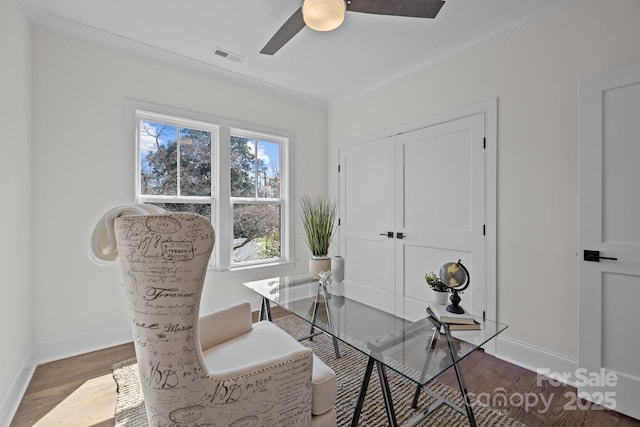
{"x": 336, "y": 349}
{"x": 468, "y": 410}
{"x": 463, "y": 387}
{"x": 363, "y": 393}
{"x": 265, "y": 310}
{"x": 386, "y": 393}
{"x": 425, "y": 368}
{"x": 323, "y": 290}
{"x": 314, "y": 316}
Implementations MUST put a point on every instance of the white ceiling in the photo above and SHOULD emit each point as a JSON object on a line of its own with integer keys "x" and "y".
{"x": 366, "y": 51}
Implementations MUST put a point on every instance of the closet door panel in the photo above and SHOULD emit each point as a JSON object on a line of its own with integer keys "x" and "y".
{"x": 366, "y": 215}
{"x": 439, "y": 209}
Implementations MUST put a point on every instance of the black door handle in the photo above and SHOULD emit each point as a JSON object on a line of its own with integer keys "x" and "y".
{"x": 400, "y": 235}
{"x": 389, "y": 234}
{"x": 595, "y": 256}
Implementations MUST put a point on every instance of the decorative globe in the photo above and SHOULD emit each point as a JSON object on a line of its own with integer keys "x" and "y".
{"x": 454, "y": 275}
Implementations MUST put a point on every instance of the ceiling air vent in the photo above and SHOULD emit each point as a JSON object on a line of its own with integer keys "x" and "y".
{"x": 228, "y": 55}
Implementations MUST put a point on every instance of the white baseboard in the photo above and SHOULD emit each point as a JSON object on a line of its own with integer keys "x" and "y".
{"x": 535, "y": 359}
{"x": 56, "y": 349}
{"x": 11, "y": 400}
{"x": 72, "y": 345}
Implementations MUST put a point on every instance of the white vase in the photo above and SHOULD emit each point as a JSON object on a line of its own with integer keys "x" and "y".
{"x": 439, "y": 297}
{"x": 337, "y": 269}
{"x": 318, "y": 264}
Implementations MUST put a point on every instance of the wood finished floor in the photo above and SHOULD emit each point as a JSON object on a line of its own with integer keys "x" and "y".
{"x": 80, "y": 392}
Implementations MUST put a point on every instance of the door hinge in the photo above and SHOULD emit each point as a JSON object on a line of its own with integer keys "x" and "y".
{"x": 484, "y": 143}
{"x": 338, "y": 168}
{"x": 484, "y": 229}
{"x": 484, "y": 315}
{"x": 338, "y": 221}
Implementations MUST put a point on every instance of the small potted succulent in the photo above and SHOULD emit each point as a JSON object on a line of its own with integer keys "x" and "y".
{"x": 439, "y": 291}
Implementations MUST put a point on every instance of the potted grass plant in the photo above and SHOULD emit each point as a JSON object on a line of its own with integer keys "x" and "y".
{"x": 318, "y": 216}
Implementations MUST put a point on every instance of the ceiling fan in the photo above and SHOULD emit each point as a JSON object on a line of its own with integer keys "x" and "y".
{"x": 326, "y": 15}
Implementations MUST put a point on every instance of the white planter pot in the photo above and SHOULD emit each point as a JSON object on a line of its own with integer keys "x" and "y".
{"x": 440, "y": 297}
{"x": 318, "y": 264}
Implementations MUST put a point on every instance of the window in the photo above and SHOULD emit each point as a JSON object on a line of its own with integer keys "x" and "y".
{"x": 255, "y": 197}
{"x": 233, "y": 175}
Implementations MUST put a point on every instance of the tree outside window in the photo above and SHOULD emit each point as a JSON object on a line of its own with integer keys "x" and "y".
{"x": 179, "y": 170}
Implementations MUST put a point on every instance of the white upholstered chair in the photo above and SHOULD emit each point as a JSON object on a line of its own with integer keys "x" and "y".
{"x": 220, "y": 369}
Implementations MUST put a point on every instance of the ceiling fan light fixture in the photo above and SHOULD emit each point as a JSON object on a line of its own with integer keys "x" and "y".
{"x": 323, "y": 15}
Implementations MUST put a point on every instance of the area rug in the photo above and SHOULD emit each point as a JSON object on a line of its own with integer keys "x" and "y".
{"x": 349, "y": 371}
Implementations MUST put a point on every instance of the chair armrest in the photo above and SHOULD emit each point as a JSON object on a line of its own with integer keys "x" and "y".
{"x": 282, "y": 385}
{"x": 223, "y": 325}
{"x": 295, "y": 362}
{"x": 266, "y": 366}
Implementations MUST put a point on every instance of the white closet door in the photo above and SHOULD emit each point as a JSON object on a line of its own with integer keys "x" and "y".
{"x": 429, "y": 185}
{"x": 366, "y": 215}
{"x": 440, "y": 210}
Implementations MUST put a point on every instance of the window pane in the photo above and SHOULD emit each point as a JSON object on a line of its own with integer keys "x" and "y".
{"x": 268, "y": 169}
{"x": 255, "y": 168}
{"x": 256, "y": 232}
{"x": 195, "y": 162}
{"x": 242, "y": 172}
{"x": 199, "y": 208}
{"x": 158, "y": 160}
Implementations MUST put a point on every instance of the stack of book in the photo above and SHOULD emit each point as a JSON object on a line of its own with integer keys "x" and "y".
{"x": 456, "y": 322}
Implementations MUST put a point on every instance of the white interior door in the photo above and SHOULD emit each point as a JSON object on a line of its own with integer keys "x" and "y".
{"x": 427, "y": 184}
{"x": 609, "y": 210}
{"x": 440, "y": 210}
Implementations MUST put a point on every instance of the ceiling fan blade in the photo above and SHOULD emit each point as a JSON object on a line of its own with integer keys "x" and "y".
{"x": 289, "y": 29}
{"x": 411, "y": 8}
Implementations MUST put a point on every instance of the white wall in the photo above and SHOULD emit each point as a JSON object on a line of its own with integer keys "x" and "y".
{"x": 15, "y": 187}
{"x": 79, "y": 173}
{"x": 534, "y": 72}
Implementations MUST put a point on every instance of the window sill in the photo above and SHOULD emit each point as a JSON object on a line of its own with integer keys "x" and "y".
{"x": 254, "y": 272}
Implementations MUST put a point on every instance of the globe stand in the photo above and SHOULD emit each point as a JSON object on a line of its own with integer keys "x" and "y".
{"x": 454, "y": 307}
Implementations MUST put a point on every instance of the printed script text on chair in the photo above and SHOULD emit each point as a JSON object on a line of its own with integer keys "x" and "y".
{"x": 220, "y": 369}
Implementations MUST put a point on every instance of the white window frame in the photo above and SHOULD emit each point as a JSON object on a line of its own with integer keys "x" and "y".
{"x": 284, "y": 191}
{"x": 220, "y": 199}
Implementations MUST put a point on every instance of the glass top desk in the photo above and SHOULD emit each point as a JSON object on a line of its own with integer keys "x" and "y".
{"x": 420, "y": 351}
